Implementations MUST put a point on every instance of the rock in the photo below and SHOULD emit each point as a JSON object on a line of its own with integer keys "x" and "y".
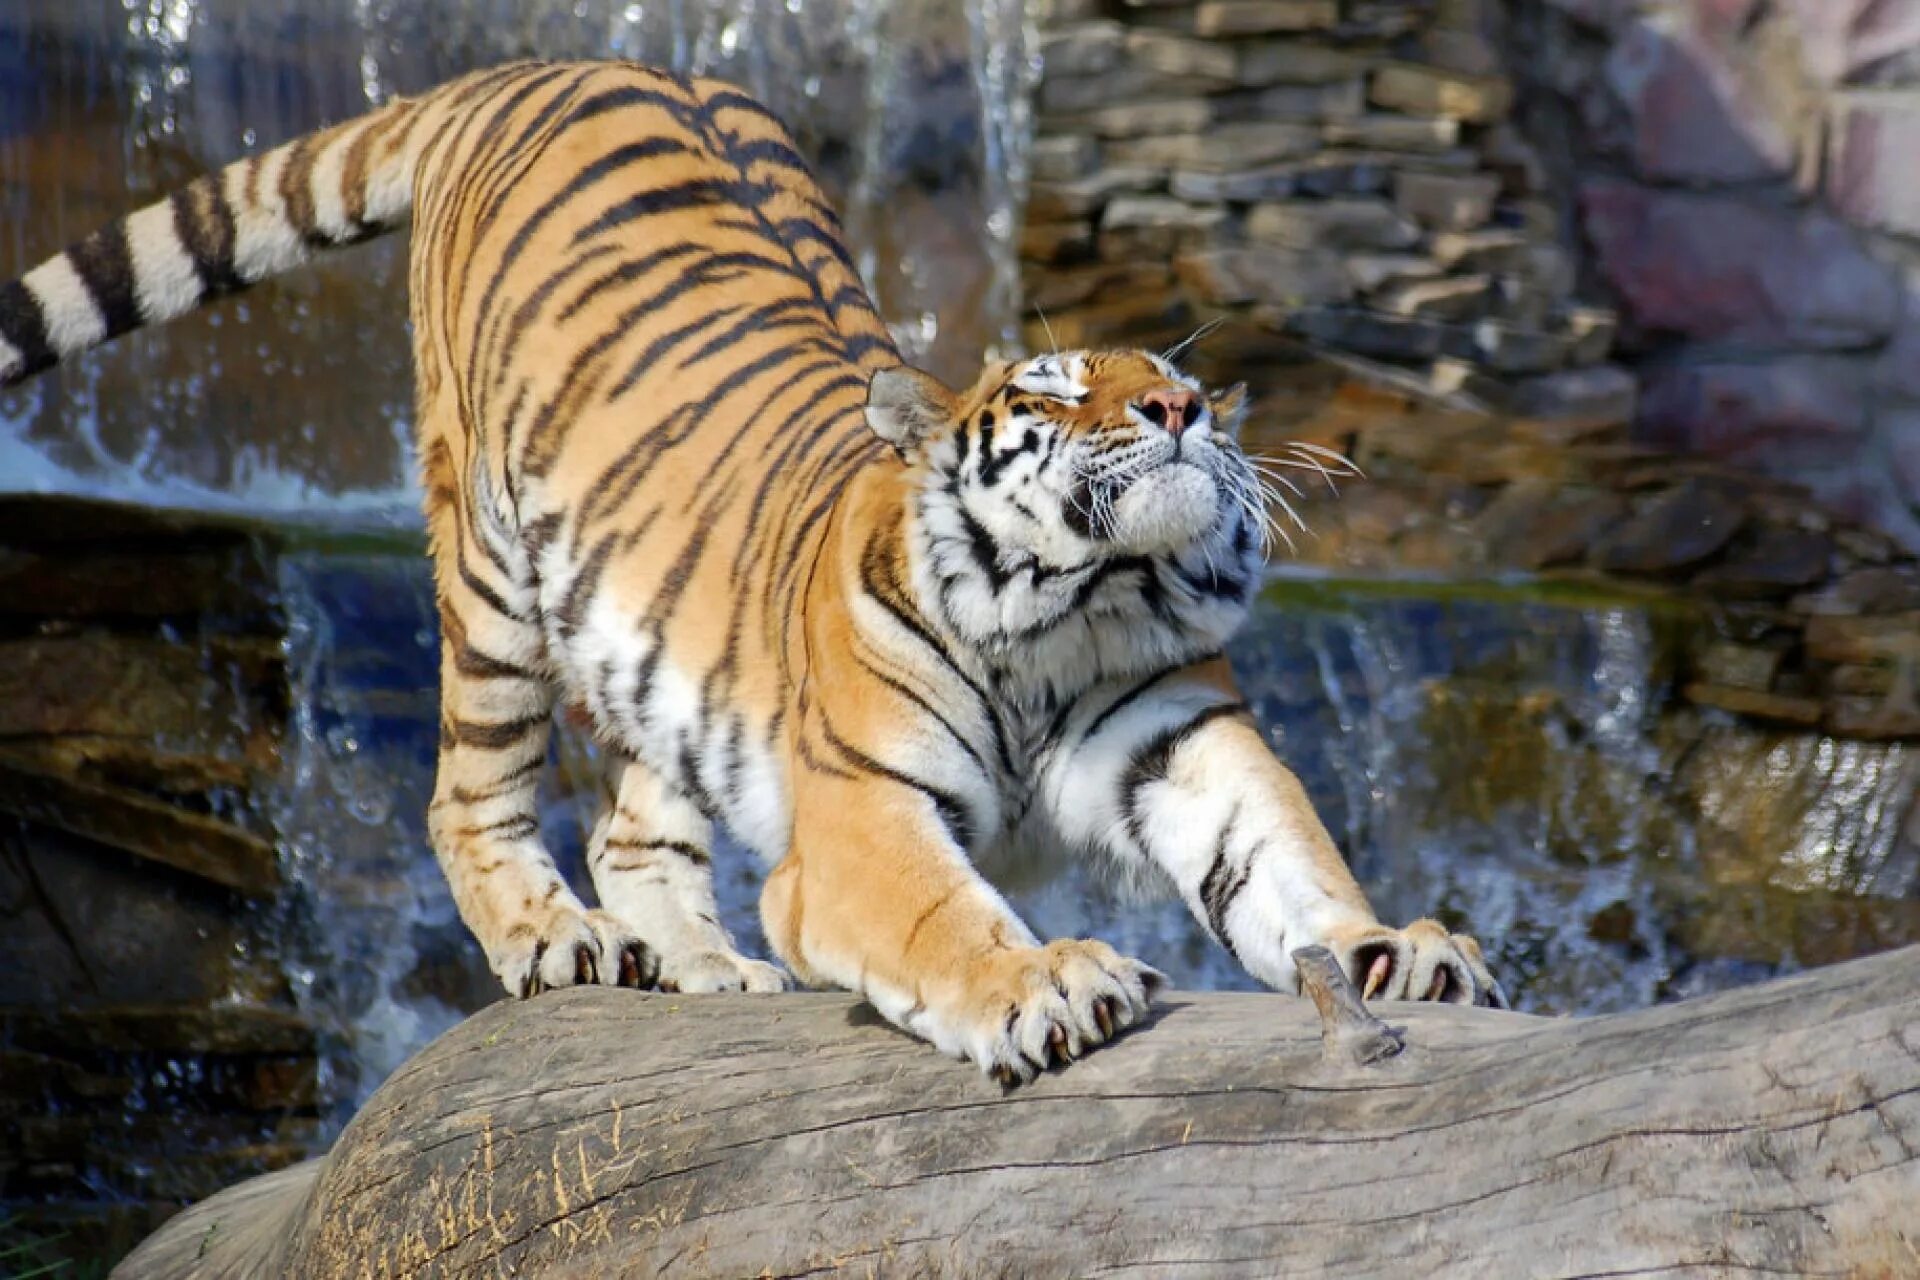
{"x": 1319, "y": 102}
{"x": 1738, "y": 666}
{"x": 1185, "y": 58}
{"x": 1491, "y": 250}
{"x": 1063, "y": 157}
{"x": 1590, "y": 332}
{"x": 1259, "y": 17}
{"x": 1428, "y": 91}
{"x": 227, "y": 1028}
{"x": 1154, "y": 227}
{"x": 1281, "y": 277}
{"x": 1082, "y": 48}
{"x": 1672, "y": 531}
{"x": 1836, "y": 39}
{"x": 1604, "y": 393}
{"x": 1066, "y": 201}
{"x": 1337, "y": 225}
{"x": 1718, "y": 267}
{"x": 1269, "y": 62}
{"x": 1757, "y": 704}
{"x": 1538, "y": 524}
{"x": 1449, "y": 298}
{"x": 1393, "y": 133}
{"x": 1048, "y": 242}
{"x": 1878, "y": 589}
{"x": 1245, "y": 186}
{"x": 1074, "y": 286}
{"x": 1870, "y": 176}
{"x": 1808, "y": 404}
{"x": 1372, "y": 271}
{"x": 1369, "y": 333}
{"x": 1463, "y": 51}
{"x": 1130, "y": 82}
{"x": 1446, "y": 201}
{"x": 1700, "y": 106}
{"x": 1507, "y": 348}
{"x": 1774, "y": 561}
{"x": 1139, "y": 119}
{"x": 1226, "y": 149}
{"x": 1887, "y": 637}
{"x": 1874, "y": 718}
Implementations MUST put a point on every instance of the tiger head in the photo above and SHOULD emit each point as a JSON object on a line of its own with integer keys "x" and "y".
{"x": 1075, "y": 457}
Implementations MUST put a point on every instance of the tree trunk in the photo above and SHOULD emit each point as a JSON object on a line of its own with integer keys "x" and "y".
{"x": 595, "y": 1132}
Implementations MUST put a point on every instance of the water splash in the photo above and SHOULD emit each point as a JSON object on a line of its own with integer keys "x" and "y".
{"x": 295, "y": 400}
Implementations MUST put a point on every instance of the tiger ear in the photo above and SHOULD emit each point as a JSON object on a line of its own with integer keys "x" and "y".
{"x": 905, "y": 406}
{"x": 1230, "y": 409}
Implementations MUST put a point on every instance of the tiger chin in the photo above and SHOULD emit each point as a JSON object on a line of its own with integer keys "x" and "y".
{"x": 677, "y": 478}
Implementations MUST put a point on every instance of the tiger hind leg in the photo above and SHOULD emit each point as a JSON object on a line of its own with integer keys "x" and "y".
{"x": 651, "y": 858}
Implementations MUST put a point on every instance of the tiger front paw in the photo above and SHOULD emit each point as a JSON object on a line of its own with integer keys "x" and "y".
{"x": 565, "y": 946}
{"x": 1036, "y": 1006}
{"x": 701, "y": 972}
{"x": 1420, "y": 962}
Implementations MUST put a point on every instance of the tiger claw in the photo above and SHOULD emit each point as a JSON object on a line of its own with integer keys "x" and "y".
{"x": 1376, "y": 975}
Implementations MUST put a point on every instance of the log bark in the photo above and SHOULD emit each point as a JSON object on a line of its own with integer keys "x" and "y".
{"x": 597, "y": 1132}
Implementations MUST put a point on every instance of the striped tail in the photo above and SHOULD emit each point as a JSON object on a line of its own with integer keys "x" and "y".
{"x": 221, "y": 233}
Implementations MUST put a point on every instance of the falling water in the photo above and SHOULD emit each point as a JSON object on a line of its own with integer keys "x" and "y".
{"x": 293, "y": 401}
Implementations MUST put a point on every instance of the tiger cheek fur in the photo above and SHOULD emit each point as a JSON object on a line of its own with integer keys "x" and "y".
{"x": 676, "y": 477}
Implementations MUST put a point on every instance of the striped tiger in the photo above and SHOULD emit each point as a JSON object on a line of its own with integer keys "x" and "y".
{"x": 678, "y": 479}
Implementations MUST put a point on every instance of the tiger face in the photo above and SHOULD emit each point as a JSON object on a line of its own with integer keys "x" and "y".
{"x": 1076, "y": 457}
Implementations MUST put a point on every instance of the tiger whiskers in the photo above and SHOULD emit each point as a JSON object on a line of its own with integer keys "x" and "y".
{"x": 1180, "y": 348}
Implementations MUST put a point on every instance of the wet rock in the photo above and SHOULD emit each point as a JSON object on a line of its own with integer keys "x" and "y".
{"x": 1260, "y": 17}
{"x": 1138, "y": 119}
{"x": 1756, "y": 704}
{"x": 1873, "y": 590}
{"x": 1507, "y": 348}
{"x": 1815, "y": 402}
{"x": 1590, "y": 332}
{"x": 1135, "y": 82}
{"x": 1353, "y": 223}
{"x": 1671, "y": 532}
{"x": 1738, "y": 666}
{"x": 1774, "y": 561}
{"x": 1372, "y": 271}
{"x": 1316, "y": 102}
{"x": 1067, "y": 201}
{"x": 1446, "y": 202}
{"x": 1071, "y": 287}
{"x": 1893, "y": 637}
{"x": 1449, "y": 298}
{"x": 1369, "y": 333}
{"x": 1429, "y": 91}
{"x": 1154, "y": 227}
{"x": 1203, "y": 61}
{"x": 1082, "y": 48}
{"x": 1236, "y": 276}
{"x": 1718, "y": 267}
{"x": 1491, "y": 250}
{"x": 1875, "y": 719}
{"x": 1540, "y": 524}
{"x": 1047, "y": 242}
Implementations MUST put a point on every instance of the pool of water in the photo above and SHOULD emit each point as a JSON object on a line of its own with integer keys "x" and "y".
{"x": 1504, "y": 755}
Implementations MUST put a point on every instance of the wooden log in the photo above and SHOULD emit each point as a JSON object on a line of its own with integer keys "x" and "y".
{"x": 597, "y": 1132}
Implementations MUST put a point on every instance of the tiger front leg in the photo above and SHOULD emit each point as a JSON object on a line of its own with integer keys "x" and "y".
{"x": 1173, "y": 770}
{"x": 878, "y": 896}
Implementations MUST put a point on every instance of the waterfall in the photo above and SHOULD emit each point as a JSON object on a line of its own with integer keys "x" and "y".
{"x": 293, "y": 402}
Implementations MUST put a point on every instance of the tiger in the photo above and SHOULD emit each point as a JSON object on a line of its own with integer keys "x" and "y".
{"x": 679, "y": 482}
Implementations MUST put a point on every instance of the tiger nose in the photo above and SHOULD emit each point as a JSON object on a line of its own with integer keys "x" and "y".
{"x": 1174, "y": 408}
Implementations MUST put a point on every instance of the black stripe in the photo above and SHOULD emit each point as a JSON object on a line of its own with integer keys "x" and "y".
{"x": 1132, "y": 695}
{"x": 203, "y": 220}
{"x": 476, "y": 664}
{"x": 1152, "y": 761}
{"x": 25, "y": 328}
{"x": 691, "y": 852}
{"x": 694, "y": 194}
{"x": 494, "y": 736}
{"x": 626, "y": 272}
{"x": 106, "y": 267}
{"x": 900, "y": 687}
{"x": 779, "y": 315}
{"x": 1223, "y": 883}
{"x": 953, "y": 813}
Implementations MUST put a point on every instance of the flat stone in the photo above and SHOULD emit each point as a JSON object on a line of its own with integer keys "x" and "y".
{"x": 1063, "y": 157}
{"x": 1181, "y": 56}
{"x": 1235, "y": 276}
{"x": 1738, "y": 666}
{"x": 1489, "y": 250}
{"x": 1602, "y": 394}
{"x": 1068, "y": 201}
{"x": 1258, "y": 17}
{"x": 1465, "y": 51}
{"x": 1508, "y": 348}
{"x": 1074, "y": 286}
{"x": 1155, "y": 227}
{"x": 1672, "y": 531}
{"x": 1428, "y": 91}
{"x": 1446, "y": 201}
{"x": 1321, "y": 176}
{"x": 1129, "y": 83}
{"x": 1812, "y": 404}
{"x": 1260, "y": 63}
{"x": 1589, "y": 331}
{"x": 1317, "y": 102}
{"x": 1369, "y": 333}
{"x": 1341, "y": 224}
{"x": 1778, "y": 708}
{"x": 1774, "y": 562}
{"x": 1876, "y": 719}
{"x": 1878, "y": 589}
{"x": 1393, "y": 132}
{"x": 1540, "y": 524}
{"x": 1244, "y": 186}
{"x": 1139, "y": 119}
{"x": 1372, "y": 271}
{"x": 1447, "y": 298}
{"x": 1887, "y": 637}
{"x": 1715, "y": 266}
{"x": 1224, "y": 149}
{"x": 1082, "y": 48}
{"x": 1056, "y": 241}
